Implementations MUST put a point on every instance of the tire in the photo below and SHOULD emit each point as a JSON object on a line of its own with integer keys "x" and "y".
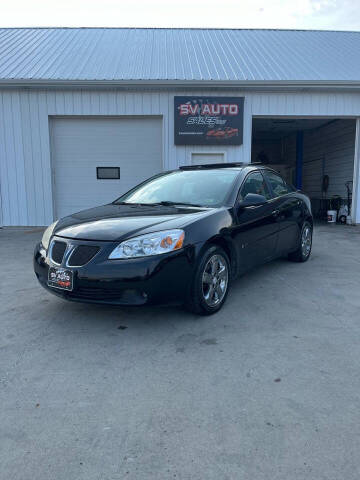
{"x": 210, "y": 284}
{"x": 302, "y": 254}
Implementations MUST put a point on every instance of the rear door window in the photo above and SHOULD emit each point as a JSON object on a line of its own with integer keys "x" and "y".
{"x": 277, "y": 184}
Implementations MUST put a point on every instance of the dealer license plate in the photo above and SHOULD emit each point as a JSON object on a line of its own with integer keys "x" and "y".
{"x": 60, "y": 278}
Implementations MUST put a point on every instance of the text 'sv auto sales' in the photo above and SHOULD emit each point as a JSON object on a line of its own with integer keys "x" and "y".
{"x": 208, "y": 120}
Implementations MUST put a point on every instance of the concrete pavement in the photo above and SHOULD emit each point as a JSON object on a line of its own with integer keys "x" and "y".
{"x": 269, "y": 388}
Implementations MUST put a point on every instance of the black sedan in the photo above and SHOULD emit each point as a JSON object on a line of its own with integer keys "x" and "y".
{"x": 181, "y": 236}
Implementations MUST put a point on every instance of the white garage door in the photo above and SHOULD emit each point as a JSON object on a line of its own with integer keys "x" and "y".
{"x": 81, "y": 145}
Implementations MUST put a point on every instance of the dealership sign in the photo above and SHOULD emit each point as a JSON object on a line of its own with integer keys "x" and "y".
{"x": 208, "y": 120}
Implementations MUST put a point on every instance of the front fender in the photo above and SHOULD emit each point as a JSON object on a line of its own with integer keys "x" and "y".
{"x": 215, "y": 230}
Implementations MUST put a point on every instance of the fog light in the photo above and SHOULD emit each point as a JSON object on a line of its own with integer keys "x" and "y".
{"x": 134, "y": 297}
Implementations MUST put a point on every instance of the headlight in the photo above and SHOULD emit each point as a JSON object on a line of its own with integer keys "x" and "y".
{"x": 150, "y": 244}
{"x": 47, "y": 235}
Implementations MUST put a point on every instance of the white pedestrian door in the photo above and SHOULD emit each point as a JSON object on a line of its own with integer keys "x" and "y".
{"x": 201, "y": 158}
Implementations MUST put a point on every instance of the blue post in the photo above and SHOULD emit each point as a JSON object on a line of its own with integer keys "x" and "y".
{"x": 299, "y": 158}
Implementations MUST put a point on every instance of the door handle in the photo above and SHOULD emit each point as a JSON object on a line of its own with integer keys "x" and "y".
{"x": 275, "y": 213}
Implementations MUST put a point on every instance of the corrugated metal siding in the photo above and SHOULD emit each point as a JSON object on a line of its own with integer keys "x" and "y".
{"x": 178, "y": 54}
{"x": 289, "y": 150}
{"x": 312, "y": 177}
{"x": 329, "y": 151}
{"x": 302, "y": 104}
{"x": 25, "y": 167}
{"x": 25, "y": 173}
{"x": 12, "y": 173}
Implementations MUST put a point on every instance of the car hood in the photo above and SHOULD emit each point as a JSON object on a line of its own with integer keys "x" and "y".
{"x": 117, "y": 222}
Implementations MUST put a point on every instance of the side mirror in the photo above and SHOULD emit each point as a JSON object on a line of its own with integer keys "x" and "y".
{"x": 252, "y": 200}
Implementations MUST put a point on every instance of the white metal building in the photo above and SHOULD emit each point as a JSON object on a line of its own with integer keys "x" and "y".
{"x": 74, "y": 100}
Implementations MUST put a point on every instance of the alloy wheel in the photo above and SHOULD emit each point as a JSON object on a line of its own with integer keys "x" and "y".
{"x": 215, "y": 280}
{"x": 306, "y": 239}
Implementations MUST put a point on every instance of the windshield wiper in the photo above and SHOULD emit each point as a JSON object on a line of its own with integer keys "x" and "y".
{"x": 134, "y": 204}
{"x": 169, "y": 203}
{"x": 165, "y": 203}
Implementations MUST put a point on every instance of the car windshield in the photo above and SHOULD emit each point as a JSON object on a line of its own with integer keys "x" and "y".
{"x": 206, "y": 188}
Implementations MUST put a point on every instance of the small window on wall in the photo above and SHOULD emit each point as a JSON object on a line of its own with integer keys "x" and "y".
{"x": 108, "y": 173}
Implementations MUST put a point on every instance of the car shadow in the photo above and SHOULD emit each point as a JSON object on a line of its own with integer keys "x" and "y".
{"x": 122, "y": 317}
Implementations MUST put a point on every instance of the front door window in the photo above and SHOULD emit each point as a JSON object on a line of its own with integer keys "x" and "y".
{"x": 254, "y": 183}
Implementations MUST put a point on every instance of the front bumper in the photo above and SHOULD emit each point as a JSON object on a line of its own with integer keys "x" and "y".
{"x": 149, "y": 280}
